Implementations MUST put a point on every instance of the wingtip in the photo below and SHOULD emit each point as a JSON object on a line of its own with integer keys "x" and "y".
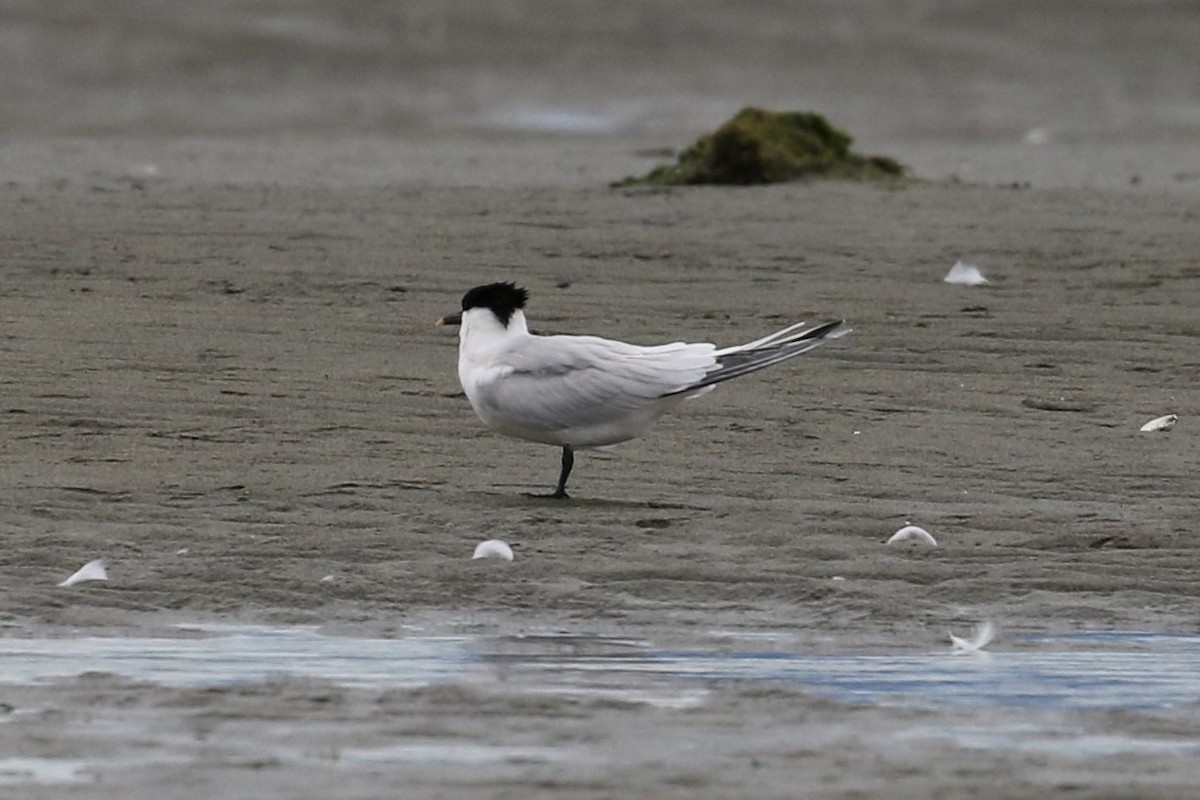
{"x": 833, "y": 329}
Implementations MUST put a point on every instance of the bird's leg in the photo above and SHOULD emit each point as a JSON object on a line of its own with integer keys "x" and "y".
{"x": 560, "y": 491}
{"x": 568, "y": 461}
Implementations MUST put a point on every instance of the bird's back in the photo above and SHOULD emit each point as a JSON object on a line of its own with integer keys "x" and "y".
{"x": 585, "y": 391}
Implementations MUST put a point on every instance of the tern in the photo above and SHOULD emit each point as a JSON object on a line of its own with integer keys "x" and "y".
{"x": 579, "y": 392}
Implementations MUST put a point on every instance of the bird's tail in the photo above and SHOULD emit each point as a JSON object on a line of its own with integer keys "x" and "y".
{"x": 733, "y": 362}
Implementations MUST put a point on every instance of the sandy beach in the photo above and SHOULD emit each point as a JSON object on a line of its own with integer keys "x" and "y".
{"x": 227, "y": 235}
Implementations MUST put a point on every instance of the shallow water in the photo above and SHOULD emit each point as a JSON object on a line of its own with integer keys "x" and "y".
{"x": 1132, "y": 671}
{"x": 1094, "y": 670}
{"x": 241, "y": 654}
{"x": 1024, "y": 696}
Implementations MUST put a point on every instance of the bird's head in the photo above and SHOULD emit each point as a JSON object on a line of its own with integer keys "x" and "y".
{"x": 500, "y": 301}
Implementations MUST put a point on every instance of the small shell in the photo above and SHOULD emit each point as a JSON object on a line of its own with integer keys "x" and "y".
{"x": 965, "y": 274}
{"x": 91, "y": 571}
{"x": 1161, "y": 424}
{"x": 493, "y": 548}
{"x": 913, "y": 532}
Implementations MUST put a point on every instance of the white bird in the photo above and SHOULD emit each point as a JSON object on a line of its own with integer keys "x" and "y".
{"x": 579, "y": 392}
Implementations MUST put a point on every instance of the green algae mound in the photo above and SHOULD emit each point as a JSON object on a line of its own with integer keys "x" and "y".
{"x": 761, "y": 146}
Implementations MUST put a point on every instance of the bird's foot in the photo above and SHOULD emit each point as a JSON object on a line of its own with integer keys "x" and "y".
{"x": 558, "y": 494}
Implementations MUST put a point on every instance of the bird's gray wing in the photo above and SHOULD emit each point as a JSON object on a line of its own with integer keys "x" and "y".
{"x": 561, "y": 382}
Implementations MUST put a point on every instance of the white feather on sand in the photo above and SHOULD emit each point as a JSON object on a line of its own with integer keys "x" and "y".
{"x": 981, "y": 638}
{"x": 1160, "y": 423}
{"x": 92, "y": 571}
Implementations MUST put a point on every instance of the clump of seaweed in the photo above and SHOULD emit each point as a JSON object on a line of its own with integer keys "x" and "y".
{"x": 762, "y": 146}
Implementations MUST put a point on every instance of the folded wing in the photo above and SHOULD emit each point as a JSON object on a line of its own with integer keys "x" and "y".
{"x": 733, "y": 362}
{"x": 567, "y": 382}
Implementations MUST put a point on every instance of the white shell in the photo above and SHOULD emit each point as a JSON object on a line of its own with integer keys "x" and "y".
{"x": 965, "y": 274}
{"x": 493, "y": 548}
{"x": 984, "y": 633}
{"x": 91, "y": 571}
{"x": 913, "y": 532}
{"x": 1161, "y": 424}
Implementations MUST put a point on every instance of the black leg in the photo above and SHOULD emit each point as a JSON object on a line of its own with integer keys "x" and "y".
{"x": 568, "y": 461}
{"x": 560, "y": 491}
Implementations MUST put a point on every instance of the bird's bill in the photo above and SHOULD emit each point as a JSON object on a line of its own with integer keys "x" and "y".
{"x": 451, "y": 319}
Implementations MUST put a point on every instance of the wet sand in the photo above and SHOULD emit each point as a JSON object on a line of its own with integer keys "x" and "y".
{"x": 222, "y": 376}
{"x": 234, "y": 391}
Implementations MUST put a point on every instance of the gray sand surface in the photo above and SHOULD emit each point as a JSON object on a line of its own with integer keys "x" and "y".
{"x": 221, "y": 374}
